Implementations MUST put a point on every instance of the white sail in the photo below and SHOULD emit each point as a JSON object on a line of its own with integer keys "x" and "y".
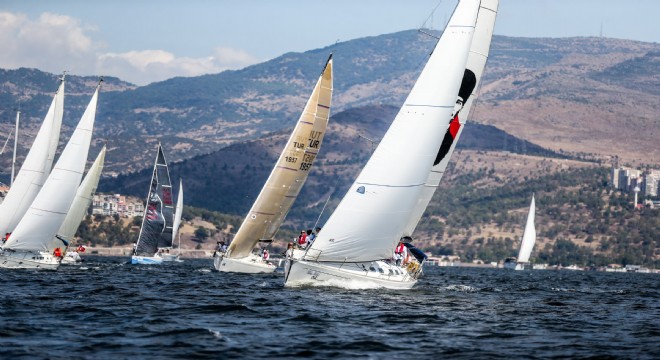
{"x": 35, "y": 168}
{"x": 177, "y": 212}
{"x": 40, "y": 223}
{"x": 476, "y": 62}
{"x": 529, "y": 236}
{"x": 372, "y": 216}
{"x": 290, "y": 172}
{"x": 83, "y": 198}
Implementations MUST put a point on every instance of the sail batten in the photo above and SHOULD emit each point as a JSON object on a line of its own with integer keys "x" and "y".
{"x": 370, "y": 219}
{"x": 290, "y": 171}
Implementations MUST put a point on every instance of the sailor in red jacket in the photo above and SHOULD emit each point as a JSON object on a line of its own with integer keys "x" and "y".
{"x": 302, "y": 239}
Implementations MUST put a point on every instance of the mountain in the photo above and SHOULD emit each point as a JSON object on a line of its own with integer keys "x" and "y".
{"x": 229, "y": 180}
{"x": 586, "y": 95}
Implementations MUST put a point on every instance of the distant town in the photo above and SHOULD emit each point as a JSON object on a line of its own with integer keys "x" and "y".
{"x": 643, "y": 184}
{"x": 116, "y": 204}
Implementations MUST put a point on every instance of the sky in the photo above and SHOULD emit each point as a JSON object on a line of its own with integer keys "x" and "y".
{"x": 143, "y": 41}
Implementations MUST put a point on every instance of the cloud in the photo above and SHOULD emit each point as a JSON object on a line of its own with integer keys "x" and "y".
{"x": 55, "y": 43}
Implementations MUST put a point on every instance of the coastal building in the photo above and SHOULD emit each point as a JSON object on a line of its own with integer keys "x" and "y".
{"x": 112, "y": 204}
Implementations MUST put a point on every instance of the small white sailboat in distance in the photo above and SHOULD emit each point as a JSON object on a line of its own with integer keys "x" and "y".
{"x": 31, "y": 243}
{"x": 283, "y": 185}
{"x": 357, "y": 243}
{"x": 157, "y": 224}
{"x": 527, "y": 243}
{"x": 78, "y": 209}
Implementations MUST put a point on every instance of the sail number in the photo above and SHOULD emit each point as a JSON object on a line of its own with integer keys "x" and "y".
{"x": 290, "y": 159}
{"x": 305, "y": 166}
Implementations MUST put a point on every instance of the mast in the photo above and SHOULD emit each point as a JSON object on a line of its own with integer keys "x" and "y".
{"x": 13, "y": 160}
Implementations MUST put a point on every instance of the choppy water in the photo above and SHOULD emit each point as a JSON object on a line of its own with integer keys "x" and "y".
{"x": 108, "y": 309}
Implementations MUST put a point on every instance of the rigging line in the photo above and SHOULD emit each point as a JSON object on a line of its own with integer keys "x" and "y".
{"x": 322, "y": 210}
{"x": 430, "y": 17}
{"x": 6, "y": 141}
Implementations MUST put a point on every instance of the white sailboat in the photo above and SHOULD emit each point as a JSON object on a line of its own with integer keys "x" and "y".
{"x": 31, "y": 243}
{"x": 157, "y": 224}
{"x": 178, "y": 210}
{"x": 283, "y": 185}
{"x": 527, "y": 243}
{"x": 357, "y": 242}
{"x": 35, "y": 168}
{"x": 79, "y": 207}
{"x": 467, "y": 94}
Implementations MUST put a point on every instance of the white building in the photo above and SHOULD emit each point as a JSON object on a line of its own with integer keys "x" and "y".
{"x": 117, "y": 204}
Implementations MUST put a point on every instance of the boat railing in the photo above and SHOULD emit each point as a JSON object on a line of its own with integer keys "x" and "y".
{"x": 312, "y": 254}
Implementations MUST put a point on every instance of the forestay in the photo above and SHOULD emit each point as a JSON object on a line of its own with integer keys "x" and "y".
{"x": 529, "y": 236}
{"x": 372, "y": 216}
{"x": 35, "y": 168}
{"x": 156, "y": 230}
{"x": 43, "y": 219}
{"x": 291, "y": 170}
{"x": 476, "y": 62}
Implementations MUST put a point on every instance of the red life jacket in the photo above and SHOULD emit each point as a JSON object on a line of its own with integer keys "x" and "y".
{"x": 399, "y": 249}
{"x": 57, "y": 252}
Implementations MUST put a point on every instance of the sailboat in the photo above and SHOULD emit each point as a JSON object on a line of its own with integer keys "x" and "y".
{"x": 283, "y": 185}
{"x": 357, "y": 243}
{"x": 79, "y": 207}
{"x": 36, "y": 167}
{"x": 178, "y": 210}
{"x": 157, "y": 224}
{"x": 31, "y": 243}
{"x": 527, "y": 243}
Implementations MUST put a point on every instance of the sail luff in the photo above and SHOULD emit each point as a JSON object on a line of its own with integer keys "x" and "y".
{"x": 372, "y": 216}
{"x": 35, "y": 168}
{"x": 529, "y": 236}
{"x": 13, "y": 159}
{"x": 43, "y": 219}
{"x": 290, "y": 172}
{"x": 83, "y": 198}
{"x": 474, "y": 69}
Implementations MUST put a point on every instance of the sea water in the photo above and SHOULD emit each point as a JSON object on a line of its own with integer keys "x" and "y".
{"x": 107, "y": 309}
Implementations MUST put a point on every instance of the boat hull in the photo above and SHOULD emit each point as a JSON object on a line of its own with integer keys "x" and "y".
{"x": 251, "y": 264}
{"x": 367, "y": 275}
{"x": 171, "y": 258}
{"x": 71, "y": 259}
{"x": 517, "y": 266}
{"x": 28, "y": 260}
{"x": 146, "y": 260}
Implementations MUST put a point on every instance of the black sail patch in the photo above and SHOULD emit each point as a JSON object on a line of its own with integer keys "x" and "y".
{"x": 467, "y": 86}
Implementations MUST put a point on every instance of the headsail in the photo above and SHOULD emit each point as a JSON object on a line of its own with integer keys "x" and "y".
{"x": 476, "y": 62}
{"x": 84, "y": 197}
{"x": 529, "y": 236}
{"x": 43, "y": 219}
{"x": 291, "y": 170}
{"x": 156, "y": 230}
{"x": 35, "y": 168}
{"x": 372, "y": 216}
{"x": 178, "y": 211}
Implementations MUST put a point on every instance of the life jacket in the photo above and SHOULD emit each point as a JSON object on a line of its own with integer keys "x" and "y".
{"x": 399, "y": 249}
{"x": 302, "y": 239}
{"x": 57, "y": 252}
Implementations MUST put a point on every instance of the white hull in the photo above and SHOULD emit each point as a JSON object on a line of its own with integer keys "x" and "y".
{"x": 251, "y": 264}
{"x": 367, "y": 275}
{"x": 170, "y": 258}
{"x": 517, "y": 266}
{"x": 71, "y": 259}
{"x": 28, "y": 260}
{"x": 146, "y": 260}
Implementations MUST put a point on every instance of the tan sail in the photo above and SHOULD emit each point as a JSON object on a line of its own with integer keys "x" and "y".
{"x": 290, "y": 171}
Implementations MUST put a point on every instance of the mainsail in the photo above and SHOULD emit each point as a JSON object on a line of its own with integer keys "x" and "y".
{"x": 476, "y": 62}
{"x": 83, "y": 198}
{"x": 43, "y": 219}
{"x": 372, "y": 216}
{"x": 36, "y": 167}
{"x": 529, "y": 236}
{"x": 290, "y": 172}
{"x": 156, "y": 230}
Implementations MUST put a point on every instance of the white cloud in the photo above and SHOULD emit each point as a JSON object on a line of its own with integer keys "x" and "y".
{"x": 58, "y": 42}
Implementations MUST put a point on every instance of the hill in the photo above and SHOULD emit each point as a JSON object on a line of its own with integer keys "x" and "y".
{"x": 582, "y": 95}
